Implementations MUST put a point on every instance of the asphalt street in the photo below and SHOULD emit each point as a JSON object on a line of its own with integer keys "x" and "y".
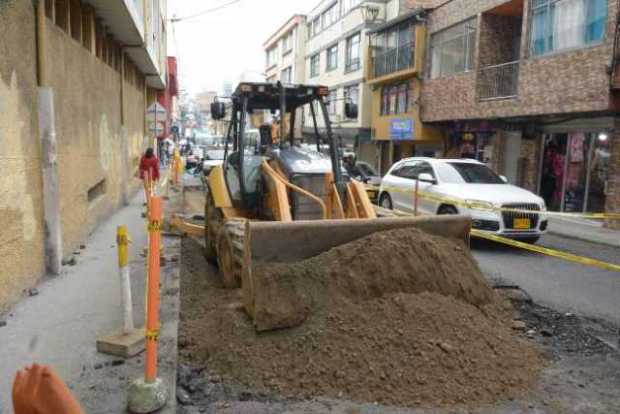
{"x": 561, "y": 285}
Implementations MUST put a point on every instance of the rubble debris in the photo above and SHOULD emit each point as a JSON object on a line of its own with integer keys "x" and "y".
{"x": 519, "y": 325}
{"x": 33, "y": 292}
{"x": 2, "y": 323}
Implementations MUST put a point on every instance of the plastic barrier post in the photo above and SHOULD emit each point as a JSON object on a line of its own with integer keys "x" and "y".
{"x": 130, "y": 341}
{"x": 149, "y": 394}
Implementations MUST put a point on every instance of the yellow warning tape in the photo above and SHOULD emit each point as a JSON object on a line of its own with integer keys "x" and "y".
{"x": 483, "y": 206}
{"x": 549, "y": 252}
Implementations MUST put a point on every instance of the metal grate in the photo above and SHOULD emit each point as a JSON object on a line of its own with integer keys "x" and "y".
{"x": 499, "y": 81}
{"x": 509, "y": 216}
{"x": 393, "y": 60}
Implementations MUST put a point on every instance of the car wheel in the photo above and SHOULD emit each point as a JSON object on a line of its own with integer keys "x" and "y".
{"x": 530, "y": 240}
{"x": 445, "y": 210}
{"x": 386, "y": 201}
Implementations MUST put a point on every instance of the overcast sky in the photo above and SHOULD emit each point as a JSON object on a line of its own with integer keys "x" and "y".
{"x": 219, "y": 46}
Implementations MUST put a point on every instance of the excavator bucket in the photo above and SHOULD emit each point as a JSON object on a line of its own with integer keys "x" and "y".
{"x": 277, "y": 242}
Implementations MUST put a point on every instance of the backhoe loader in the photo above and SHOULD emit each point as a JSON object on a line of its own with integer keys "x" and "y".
{"x": 284, "y": 200}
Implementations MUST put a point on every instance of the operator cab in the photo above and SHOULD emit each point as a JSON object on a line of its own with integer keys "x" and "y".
{"x": 247, "y": 149}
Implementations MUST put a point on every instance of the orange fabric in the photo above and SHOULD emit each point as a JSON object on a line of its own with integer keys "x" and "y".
{"x": 38, "y": 390}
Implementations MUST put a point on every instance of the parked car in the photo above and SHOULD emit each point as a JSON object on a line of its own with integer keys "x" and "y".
{"x": 213, "y": 158}
{"x": 364, "y": 172}
{"x": 463, "y": 186}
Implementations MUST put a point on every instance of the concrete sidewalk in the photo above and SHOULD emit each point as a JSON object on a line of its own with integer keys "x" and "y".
{"x": 587, "y": 230}
{"x": 59, "y": 325}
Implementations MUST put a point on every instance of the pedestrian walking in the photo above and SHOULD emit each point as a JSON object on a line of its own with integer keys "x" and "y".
{"x": 149, "y": 171}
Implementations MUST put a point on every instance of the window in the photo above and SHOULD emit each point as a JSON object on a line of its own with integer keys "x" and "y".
{"x": 316, "y": 26}
{"x": 347, "y": 5}
{"x": 566, "y": 24}
{"x": 330, "y": 16}
{"x": 287, "y": 43}
{"x": 351, "y": 94}
{"x": 272, "y": 56}
{"x": 331, "y": 101}
{"x": 315, "y": 62}
{"x": 395, "y": 99}
{"x": 332, "y": 58}
{"x": 286, "y": 75}
{"x": 353, "y": 53}
{"x": 452, "y": 50}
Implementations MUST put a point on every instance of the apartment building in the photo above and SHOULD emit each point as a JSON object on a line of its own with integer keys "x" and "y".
{"x": 336, "y": 54}
{"x": 285, "y": 52}
{"x": 396, "y": 62}
{"x": 76, "y": 78}
{"x": 531, "y": 88}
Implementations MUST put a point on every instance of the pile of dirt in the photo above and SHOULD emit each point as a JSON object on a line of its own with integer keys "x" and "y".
{"x": 397, "y": 261}
{"x": 400, "y": 317}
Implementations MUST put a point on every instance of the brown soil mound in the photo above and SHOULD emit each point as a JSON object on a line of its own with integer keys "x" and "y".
{"x": 400, "y": 318}
{"x": 384, "y": 263}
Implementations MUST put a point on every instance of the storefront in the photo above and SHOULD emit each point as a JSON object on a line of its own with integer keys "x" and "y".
{"x": 574, "y": 170}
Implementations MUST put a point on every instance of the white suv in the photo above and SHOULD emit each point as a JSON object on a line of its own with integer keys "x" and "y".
{"x": 463, "y": 186}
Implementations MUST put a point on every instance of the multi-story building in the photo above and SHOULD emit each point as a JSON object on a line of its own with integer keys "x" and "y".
{"x": 336, "y": 51}
{"x": 396, "y": 61}
{"x": 285, "y": 52}
{"x": 76, "y": 77}
{"x": 529, "y": 87}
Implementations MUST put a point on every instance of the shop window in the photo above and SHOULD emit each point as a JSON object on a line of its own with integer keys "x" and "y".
{"x": 76, "y": 19}
{"x": 61, "y": 9}
{"x": 566, "y": 24}
{"x": 453, "y": 49}
{"x": 575, "y": 171}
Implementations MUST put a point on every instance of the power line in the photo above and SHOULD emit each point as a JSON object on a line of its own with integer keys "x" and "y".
{"x": 202, "y": 13}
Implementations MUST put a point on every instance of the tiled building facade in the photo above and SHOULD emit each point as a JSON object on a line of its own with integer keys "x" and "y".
{"x": 531, "y": 92}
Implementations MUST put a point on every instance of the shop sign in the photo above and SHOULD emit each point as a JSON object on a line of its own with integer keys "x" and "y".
{"x": 401, "y": 129}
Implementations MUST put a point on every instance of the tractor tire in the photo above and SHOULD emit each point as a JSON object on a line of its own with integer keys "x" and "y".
{"x": 213, "y": 218}
{"x": 230, "y": 252}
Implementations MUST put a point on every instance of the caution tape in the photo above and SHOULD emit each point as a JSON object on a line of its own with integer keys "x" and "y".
{"x": 486, "y": 206}
{"x": 546, "y": 251}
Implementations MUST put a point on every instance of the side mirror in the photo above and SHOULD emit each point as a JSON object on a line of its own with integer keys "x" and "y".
{"x": 426, "y": 178}
{"x": 350, "y": 110}
{"x": 504, "y": 179}
{"x": 218, "y": 110}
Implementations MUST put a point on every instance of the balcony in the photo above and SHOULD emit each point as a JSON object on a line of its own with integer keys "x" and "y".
{"x": 499, "y": 81}
{"x": 393, "y": 60}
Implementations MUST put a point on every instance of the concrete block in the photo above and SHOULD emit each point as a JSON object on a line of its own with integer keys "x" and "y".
{"x": 122, "y": 345}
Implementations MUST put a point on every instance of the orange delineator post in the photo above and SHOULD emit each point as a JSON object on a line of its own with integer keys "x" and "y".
{"x": 152, "y": 307}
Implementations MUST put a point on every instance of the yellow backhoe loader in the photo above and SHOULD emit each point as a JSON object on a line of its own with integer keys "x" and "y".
{"x": 283, "y": 200}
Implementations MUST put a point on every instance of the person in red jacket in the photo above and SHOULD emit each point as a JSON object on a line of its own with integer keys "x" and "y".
{"x": 149, "y": 170}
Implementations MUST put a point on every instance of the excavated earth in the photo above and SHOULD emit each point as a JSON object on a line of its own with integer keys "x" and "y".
{"x": 400, "y": 318}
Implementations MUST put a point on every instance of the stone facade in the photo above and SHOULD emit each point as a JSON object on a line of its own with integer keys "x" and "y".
{"x": 613, "y": 191}
{"x": 100, "y": 131}
{"x": 559, "y": 83}
{"x": 21, "y": 212}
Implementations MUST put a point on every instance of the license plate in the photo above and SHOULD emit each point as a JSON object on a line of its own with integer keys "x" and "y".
{"x": 521, "y": 223}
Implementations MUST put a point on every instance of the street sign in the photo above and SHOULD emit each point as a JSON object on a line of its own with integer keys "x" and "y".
{"x": 156, "y": 112}
{"x": 157, "y": 127}
{"x": 401, "y": 129}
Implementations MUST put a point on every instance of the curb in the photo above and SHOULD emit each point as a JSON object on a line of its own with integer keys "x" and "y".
{"x": 583, "y": 238}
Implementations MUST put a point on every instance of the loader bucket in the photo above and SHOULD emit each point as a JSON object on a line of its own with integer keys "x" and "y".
{"x": 277, "y": 242}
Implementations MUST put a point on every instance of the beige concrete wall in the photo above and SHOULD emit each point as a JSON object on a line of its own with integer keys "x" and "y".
{"x": 87, "y": 96}
{"x": 21, "y": 214}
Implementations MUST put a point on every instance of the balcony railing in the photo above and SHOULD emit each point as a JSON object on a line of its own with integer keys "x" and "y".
{"x": 393, "y": 60}
{"x": 499, "y": 81}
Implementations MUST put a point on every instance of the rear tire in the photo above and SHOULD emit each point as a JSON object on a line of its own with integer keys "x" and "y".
{"x": 230, "y": 249}
{"x": 385, "y": 201}
{"x": 213, "y": 222}
{"x": 447, "y": 210}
